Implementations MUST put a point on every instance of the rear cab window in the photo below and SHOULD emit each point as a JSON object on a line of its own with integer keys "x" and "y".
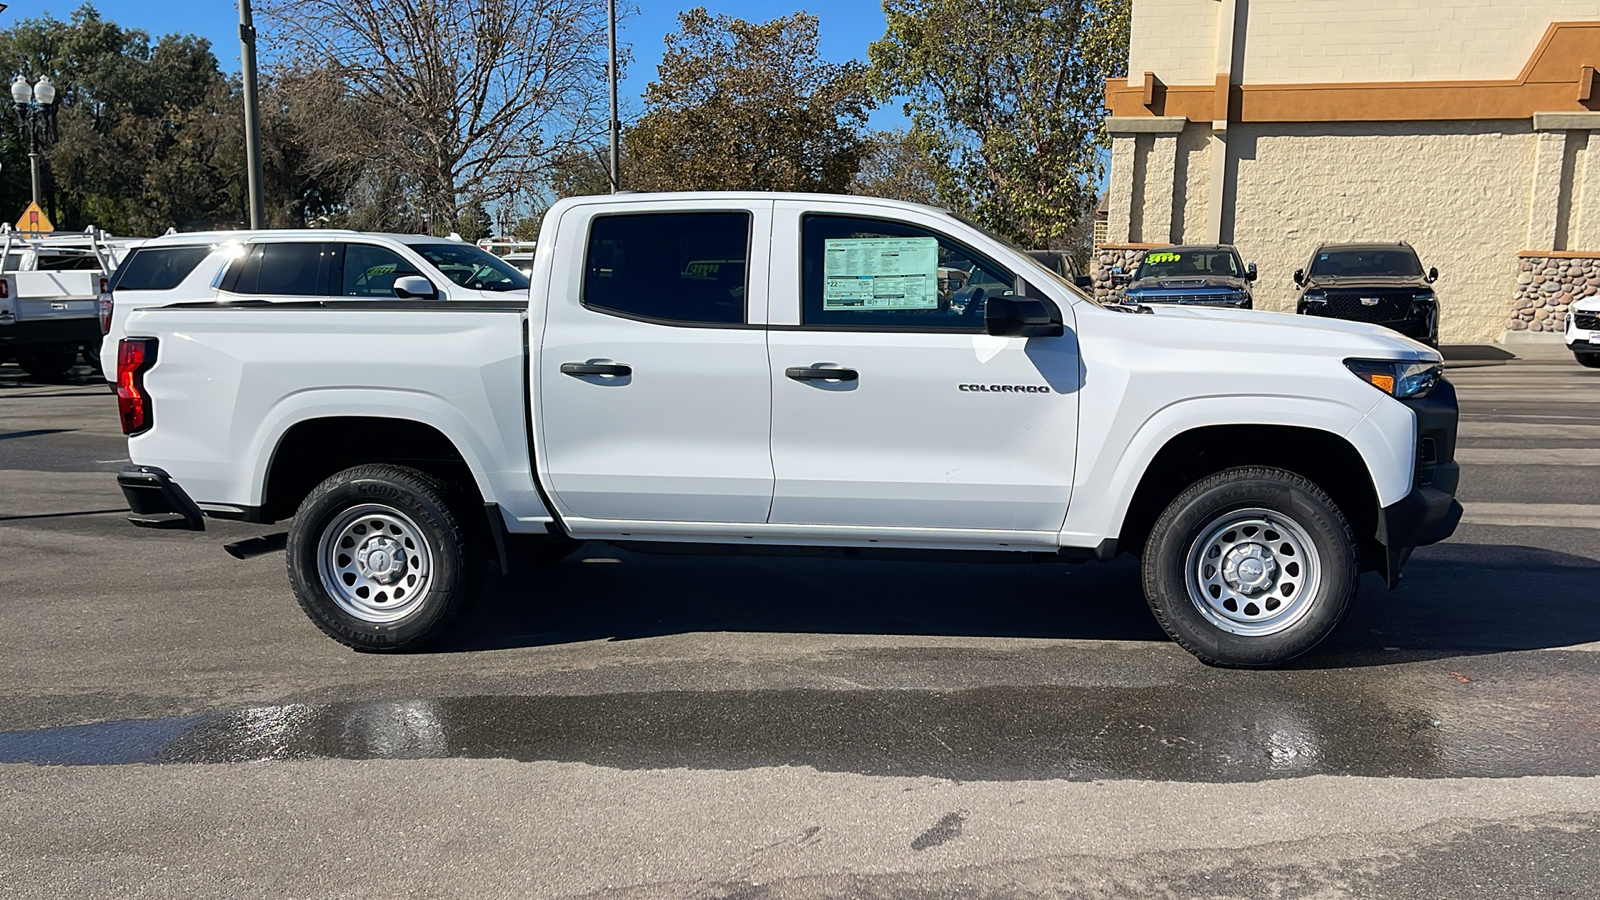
{"x": 157, "y": 268}
{"x": 688, "y": 268}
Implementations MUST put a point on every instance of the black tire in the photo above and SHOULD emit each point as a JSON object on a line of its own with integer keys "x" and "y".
{"x": 91, "y": 358}
{"x": 420, "y": 525}
{"x": 1588, "y": 360}
{"x": 48, "y": 366}
{"x": 1254, "y": 633}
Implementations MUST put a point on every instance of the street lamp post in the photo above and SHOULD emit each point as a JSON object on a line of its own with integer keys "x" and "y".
{"x": 36, "y": 114}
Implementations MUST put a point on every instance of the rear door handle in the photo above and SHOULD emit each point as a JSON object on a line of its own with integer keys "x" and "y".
{"x": 821, "y": 373}
{"x": 579, "y": 370}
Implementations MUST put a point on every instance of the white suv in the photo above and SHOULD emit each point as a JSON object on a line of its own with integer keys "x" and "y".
{"x": 1583, "y": 331}
{"x": 297, "y": 266}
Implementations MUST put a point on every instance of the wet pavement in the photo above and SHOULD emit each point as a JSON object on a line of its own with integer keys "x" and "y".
{"x": 1511, "y": 719}
{"x": 706, "y": 727}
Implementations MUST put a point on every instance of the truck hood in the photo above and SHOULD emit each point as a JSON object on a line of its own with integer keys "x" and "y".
{"x": 1335, "y": 282}
{"x": 1300, "y": 333}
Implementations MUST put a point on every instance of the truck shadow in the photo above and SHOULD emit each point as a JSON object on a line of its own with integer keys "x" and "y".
{"x": 1456, "y": 600}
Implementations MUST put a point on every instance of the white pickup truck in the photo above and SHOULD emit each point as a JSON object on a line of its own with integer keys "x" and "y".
{"x": 767, "y": 370}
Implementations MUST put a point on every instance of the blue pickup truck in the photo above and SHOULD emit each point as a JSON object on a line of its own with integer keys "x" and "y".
{"x": 1191, "y": 274}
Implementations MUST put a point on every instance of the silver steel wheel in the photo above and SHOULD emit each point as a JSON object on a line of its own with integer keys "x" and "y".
{"x": 375, "y": 563}
{"x": 1253, "y": 572}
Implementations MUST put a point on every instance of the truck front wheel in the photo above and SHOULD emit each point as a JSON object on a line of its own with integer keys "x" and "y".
{"x": 380, "y": 561}
{"x": 1250, "y": 567}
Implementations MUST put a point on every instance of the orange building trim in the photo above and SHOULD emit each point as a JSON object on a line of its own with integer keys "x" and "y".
{"x": 1558, "y": 77}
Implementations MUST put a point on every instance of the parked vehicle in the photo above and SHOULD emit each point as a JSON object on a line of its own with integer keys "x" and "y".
{"x": 50, "y": 288}
{"x": 297, "y": 266}
{"x": 1064, "y": 267}
{"x": 1191, "y": 275}
{"x": 1583, "y": 331}
{"x": 810, "y": 390}
{"x": 1378, "y": 283}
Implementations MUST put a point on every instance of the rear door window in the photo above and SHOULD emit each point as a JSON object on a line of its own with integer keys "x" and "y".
{"x": 290, "y": 268}
{"x": 157, "y": 268}
{"x": 674, "y": 268}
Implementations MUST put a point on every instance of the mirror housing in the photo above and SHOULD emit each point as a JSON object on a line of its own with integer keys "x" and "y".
{"x": 1299, "y": 276}
{"x": 1120, "y": 276}
{"x": 1022, "y": 317}
{"x": 407, "y": 287}
{"x": 1083, "y": 281}
{"x": 1250, "y": 273}
{"x": 1433, "y": 274}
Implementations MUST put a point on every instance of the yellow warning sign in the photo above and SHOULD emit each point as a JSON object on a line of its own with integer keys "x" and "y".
{"x": 34, "y": 221}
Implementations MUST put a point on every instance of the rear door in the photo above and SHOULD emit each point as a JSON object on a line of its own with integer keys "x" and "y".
{"x": 654, "y": 398}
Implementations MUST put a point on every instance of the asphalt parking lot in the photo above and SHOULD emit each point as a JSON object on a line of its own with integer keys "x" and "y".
{"x": 630, "y": 725}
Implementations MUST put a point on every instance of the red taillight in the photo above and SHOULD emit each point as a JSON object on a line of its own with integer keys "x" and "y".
{"x": 5, "y": 288}
{"x": 135, "y": 356}
{"x": 106, "y": 304}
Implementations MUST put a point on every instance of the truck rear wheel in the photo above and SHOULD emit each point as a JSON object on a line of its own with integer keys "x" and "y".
{"x": 1250, "y": 567}
{"x": 379, "y": 559}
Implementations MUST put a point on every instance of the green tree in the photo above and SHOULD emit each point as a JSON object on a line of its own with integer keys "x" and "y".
{"x": 901, "y": 165}
{"x": 749, "y": 106}
{"x": 1008, "y": 95}
{"x": 527, "y": 227}
{"x": 476, "y": 223}
{"x": 151, "y": 135}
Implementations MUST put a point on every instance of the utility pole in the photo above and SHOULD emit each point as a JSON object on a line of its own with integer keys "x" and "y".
{"x": 252, "y": 114}
{"x": 616, "y": 124}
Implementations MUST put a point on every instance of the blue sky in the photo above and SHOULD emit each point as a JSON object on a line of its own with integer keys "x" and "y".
{"x": 847, "y": 27}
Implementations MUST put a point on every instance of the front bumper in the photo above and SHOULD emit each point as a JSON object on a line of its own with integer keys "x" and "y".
{"x": 1430, "y": 513}
{"x": 157, "y": 501}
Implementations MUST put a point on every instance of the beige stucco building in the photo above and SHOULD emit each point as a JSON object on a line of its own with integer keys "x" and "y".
{"x": 1469, "y": 128}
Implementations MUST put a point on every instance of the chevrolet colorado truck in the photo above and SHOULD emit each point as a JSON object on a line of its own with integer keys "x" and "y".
{"x": 782, "y": 370}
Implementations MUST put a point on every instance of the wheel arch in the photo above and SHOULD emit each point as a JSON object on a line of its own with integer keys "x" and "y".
{"x": 1325, "y": 458}
{"x": 311, "y": 449}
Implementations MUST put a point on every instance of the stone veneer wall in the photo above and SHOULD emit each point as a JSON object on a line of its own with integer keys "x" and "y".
{"x": 1546, "y": 287}
{"x": 1113, "y": 257}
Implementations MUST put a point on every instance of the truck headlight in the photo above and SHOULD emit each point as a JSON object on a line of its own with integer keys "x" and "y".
{"x": 1397, "y": 378}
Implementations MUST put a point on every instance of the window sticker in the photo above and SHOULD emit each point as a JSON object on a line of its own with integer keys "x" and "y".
{"x": 1163, "y": 257}
{"x": 880, "y": 273}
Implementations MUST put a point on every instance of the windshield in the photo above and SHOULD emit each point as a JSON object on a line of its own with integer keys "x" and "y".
{"x": 470, "y": 267}
{"x": 1395, "y": 261}
{"x": 1181, "y": 263}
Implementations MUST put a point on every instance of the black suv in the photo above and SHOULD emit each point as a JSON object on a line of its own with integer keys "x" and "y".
{"x": 1378, "y": 283}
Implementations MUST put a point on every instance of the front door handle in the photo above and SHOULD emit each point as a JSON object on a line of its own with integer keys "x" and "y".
{"x": 612, "y": 370}
{"x": 821, "y": 373}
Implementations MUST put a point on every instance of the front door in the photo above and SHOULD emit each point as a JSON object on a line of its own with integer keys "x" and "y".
{"x": 891, "y": 406}
{"x": 654, "y": 398}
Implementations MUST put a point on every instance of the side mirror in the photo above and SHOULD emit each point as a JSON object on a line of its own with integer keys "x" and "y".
{"x": 1433, "y": 275}
{"x": 408, "y": 287}
{"x": 1250, "y": 272}
{"x": 1299, "y": 276}
{"x": 1022, "y": 317}
{"x": 1120, "y": 276}
{"x": 1083, "y": 281}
